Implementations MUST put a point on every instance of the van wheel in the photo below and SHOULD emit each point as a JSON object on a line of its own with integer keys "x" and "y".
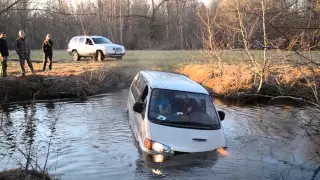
{"x": 119, "y": 58}
{"x": 75, "y": 56}
{"x": 100, "y": 56}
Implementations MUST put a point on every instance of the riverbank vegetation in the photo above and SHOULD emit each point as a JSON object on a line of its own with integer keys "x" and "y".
{"x": 20, "y": 174}
{"x": 66, "y": 80}
{"x": 239, "y": 82}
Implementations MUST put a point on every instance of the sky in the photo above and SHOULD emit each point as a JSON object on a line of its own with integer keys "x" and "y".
{"x": 78, "y": 1}
{"x": 205, "y": 1}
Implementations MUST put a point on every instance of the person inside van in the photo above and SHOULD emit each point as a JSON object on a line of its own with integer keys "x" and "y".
{"x": 161, "y": 103}
{"x": 190, "y": 105}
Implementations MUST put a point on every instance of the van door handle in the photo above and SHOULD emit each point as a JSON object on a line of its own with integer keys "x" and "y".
{"x": 199, "y": 140}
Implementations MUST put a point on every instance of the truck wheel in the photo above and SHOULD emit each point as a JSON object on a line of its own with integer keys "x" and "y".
{"x": 100, "y": 56}
{"x": 75, "y": 56}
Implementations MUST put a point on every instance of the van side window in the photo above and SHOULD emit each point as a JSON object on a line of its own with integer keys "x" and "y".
{"x": 134, "y": 89}
{"x": 144, "y": 99}
{"x": 138, "y": 87}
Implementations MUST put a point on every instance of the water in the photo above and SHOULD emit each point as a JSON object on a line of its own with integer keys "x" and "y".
{"x": 93, "y": 140}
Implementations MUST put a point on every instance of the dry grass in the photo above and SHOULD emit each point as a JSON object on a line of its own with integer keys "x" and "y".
{"x": 65, "y": 80}
{"x": 236, "y": 80}
{"x": 19, "y": 174}
{"x": 59, "y": 68}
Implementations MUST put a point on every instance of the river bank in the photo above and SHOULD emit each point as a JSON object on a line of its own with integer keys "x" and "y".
{"x": 19, "y": 174}
{"x": 66, "y": 80}
{"x": 234, "y": 82}
{"x": 238, "y": 82}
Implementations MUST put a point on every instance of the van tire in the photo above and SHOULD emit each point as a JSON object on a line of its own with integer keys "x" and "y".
{"x": 100, "y": 56}
{"x": 75, "y": 55}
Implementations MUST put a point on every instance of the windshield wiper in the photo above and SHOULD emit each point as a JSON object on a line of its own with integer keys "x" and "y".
{"x": 186, "y": 124}
{"x": 192, "y": 123}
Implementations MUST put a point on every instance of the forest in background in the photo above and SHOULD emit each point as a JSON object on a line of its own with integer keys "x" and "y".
{"x": 167, "y": 24}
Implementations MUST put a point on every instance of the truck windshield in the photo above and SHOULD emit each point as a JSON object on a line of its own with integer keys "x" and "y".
{"x": 101, "y": 41}
{"x": 183, "y": 109}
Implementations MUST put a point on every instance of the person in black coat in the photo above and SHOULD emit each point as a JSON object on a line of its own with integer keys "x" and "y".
{"x": 47, "y": 52}
{"x": 4, "y": 53}
{"x": 23, "y": 51}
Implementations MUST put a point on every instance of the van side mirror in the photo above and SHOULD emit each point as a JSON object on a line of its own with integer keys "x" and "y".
{"x": 221, "y": 115}
{"x": 138, "y": 107}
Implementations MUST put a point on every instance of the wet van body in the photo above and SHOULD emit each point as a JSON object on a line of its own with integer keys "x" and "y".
{"x": 170, "y": 113}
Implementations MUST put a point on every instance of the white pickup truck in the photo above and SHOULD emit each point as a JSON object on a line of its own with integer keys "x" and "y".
{"x": 94, "y": 46}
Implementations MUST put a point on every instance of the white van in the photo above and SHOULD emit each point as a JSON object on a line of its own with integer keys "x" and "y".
{"x": 170, "y": 113}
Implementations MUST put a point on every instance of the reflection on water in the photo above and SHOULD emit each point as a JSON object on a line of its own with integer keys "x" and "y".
{"x": 93, "y": 140}
{"x": 157, "y": 171}
{"x": 158, "y": 158}
{"x": 223, "y": 152}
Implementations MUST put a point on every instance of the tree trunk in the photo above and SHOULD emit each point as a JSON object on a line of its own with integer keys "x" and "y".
{"x": 129, "y": 22}
{"x": 100, "y": 9}
{"x": 24, "y": 15}
{"x": 168, "y": 22}
{"x": 265, "y": 42}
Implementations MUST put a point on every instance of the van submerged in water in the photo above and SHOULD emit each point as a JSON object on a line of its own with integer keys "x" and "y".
{"x": 169, "y": 113}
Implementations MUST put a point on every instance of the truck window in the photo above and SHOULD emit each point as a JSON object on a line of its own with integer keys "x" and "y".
{"x": 88, "y": 41}
{"x": 81, "y": 41}
{"x": 73, "y": 40}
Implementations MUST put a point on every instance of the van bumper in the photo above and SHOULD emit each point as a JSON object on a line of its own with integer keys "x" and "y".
{"x": 151, "y": 152}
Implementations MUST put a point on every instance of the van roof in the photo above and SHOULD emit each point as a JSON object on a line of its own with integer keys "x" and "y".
{"x": 167, "y": 80}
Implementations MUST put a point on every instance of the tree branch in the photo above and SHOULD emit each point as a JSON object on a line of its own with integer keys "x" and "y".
{"x": 85, "y": 14}
{"x": 272, "y": 98}
{"x": 10, "y": 6}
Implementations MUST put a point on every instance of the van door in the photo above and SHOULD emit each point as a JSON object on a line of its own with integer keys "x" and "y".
{"x": 140, "y": 92}
{"x": 133, "y": 95}
{"x": 140, "y": 117}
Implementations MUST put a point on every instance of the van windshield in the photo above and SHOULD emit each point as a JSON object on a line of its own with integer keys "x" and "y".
{"x": 182, "y": 109}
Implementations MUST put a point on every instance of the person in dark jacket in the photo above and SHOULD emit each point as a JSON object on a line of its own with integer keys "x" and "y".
{"x": 23, "y": 51}
{"x": 47, "y": 52}
{"x": 4, "y": 53}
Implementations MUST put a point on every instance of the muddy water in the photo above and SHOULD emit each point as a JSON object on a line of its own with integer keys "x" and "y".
{"x": 93, "y": 140}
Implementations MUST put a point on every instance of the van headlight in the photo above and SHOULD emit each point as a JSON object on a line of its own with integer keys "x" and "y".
{"x": 156, "y": 146}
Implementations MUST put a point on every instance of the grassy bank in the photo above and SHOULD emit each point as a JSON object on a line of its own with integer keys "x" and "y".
{"x": 85, "y": 77}
{"x": 64, "y": 81}
{"x": 238, "y": 81}
{"x": 169, "y": 56}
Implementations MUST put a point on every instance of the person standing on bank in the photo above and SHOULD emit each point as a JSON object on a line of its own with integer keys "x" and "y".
{"x": 23, "y": 51}
{"x": 47, "y": 52}
{"x": 4, "y": 53}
